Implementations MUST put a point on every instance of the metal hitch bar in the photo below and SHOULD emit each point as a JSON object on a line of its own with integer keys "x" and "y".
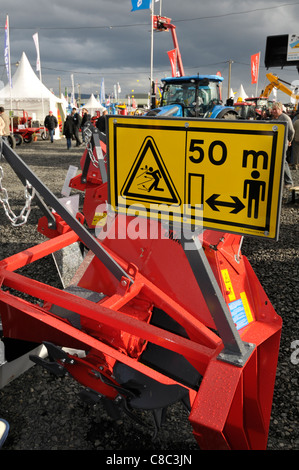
{"x": 20, "y": 167}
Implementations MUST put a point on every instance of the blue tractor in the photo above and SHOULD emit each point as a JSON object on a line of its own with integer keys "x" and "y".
{"x": 193, "y": 96}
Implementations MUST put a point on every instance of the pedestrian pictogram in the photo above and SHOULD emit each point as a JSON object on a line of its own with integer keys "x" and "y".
{"x": 255, "y": 190}
{"x": 149, "y": 179}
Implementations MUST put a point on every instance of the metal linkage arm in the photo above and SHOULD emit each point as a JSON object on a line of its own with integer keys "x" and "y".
{"x": 19, "y": 166}
{"x": 94, "y": 136}
{"x": 235, "y": 350}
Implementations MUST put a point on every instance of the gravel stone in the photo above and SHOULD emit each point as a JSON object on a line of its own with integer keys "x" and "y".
{"x": 46, "y": 412}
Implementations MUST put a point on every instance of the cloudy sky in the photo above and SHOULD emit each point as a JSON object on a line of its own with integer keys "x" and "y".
{"x": 95, "y": 39}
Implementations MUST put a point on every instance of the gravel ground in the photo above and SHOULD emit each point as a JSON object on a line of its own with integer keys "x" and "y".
{"x": 46, "y": 412}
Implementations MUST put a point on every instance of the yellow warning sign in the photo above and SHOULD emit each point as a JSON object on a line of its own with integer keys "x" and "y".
{"x": 149, "y": 179}
{"x": 224, "y": 175}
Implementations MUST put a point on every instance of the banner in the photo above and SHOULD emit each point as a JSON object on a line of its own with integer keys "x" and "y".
{"x": 102, "y": 92}
{"x": 35, "y": 39}
{"x": 173, "y": 61}
{"x": 141, "y": 5}
{"x": 73, "y": 100}
{"x": 293, "y": 47}
{"x": 7, "y": 53}
{"x": 255, "y": 63}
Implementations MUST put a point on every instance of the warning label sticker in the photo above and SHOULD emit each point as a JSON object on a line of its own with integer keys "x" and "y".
{"x": 240, "y": 311}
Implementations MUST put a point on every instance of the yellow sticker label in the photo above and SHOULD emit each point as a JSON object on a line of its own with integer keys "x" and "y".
{"x": 99, "y": 218}
{"x": 246, "y": 307}
{"x": 228, "y": 284}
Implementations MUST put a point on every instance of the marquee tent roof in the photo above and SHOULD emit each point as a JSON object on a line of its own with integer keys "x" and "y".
{"x": 92, "y": 105}
{"x": 29, "y": 93}
{"x": 241, "y": 94}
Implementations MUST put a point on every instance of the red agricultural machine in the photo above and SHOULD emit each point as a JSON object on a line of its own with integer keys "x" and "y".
{"x": 25, "y": 128}
{"x": 152, "y": 321}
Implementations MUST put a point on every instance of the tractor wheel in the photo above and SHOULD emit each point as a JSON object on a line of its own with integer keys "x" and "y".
{"x": 11, "y": 141}
{"x": 27, "y": 139}
{"x": 230, "y": 116}
{"x": 18, "y": 139}
{"x": 44, "y": 135}
{"x": 227, "y": 114}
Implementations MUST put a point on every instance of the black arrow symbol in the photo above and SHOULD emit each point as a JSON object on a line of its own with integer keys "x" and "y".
{"x": 237, "y": 205}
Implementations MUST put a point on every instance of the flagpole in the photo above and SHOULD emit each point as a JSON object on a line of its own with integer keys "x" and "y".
{"x": 39, "y": 69}
{"x": 9, "y": 73}
{"x": 41, "y": 86}
{"x": 257, "y": 80}
{"x": 40, "y": 78}
{"x": 9, "y": 65}
{"x": 152, "y": 52}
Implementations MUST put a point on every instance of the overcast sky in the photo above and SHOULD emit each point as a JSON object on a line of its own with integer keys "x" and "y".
{"x": 95, "y": 39}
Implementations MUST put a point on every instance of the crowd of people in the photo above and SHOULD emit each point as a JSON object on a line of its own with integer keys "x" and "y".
{"x": 75, "y": 122}
{"x": 291, "y": 161}
{"x": 279, "y": 112}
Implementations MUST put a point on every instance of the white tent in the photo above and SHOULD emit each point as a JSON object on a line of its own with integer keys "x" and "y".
{"x": 241, "y": 94}
{"x": 30, "y": 94}
{"x": 93, "y": 105}
{"x": 64, "y": 103}
{"x": 231, "y": 93}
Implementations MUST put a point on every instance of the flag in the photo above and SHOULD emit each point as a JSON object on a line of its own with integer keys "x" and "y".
{"x": 73, "y": 100}
{"x": 173, "y": 61}
{"x": 35, "y": 39}
{"x": 255, "y": 62}
{"x": 102, "y": 92}
{"x": 7, "y": 52}
{"x": 141, "y": 5}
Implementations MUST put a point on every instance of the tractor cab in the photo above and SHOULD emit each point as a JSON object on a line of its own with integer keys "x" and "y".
{"x": 194, "y": 96}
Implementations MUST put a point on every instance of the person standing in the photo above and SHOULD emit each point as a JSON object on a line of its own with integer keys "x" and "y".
{"x": 279, "y": 115}
{"x": 2, "y": 127}
{"x": 295, "y": 145}
{"x": 5, "y": 129}
{"x": 77, "y": 124}
{"x": 86, "y": 117}
{"x": 51, "y": 123}
{"x": 68, "y": 130}
{"x": 101, "y": 122}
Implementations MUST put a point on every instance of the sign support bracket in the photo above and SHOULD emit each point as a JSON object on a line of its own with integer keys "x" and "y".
{"x": 235, "y": 350}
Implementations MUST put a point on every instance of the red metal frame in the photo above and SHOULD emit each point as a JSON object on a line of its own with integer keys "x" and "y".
{"x": 232, "y": 407}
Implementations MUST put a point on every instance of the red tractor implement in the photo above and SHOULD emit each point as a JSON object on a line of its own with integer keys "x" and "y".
{"x": 151, "y": 317}
{"x": 25, "y": 128}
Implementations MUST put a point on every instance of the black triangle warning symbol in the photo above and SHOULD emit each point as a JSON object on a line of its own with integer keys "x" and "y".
{"x": 148, "y": 179}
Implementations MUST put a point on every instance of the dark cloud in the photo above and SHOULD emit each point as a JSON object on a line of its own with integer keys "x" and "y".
{"x": 104, "y": 39}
